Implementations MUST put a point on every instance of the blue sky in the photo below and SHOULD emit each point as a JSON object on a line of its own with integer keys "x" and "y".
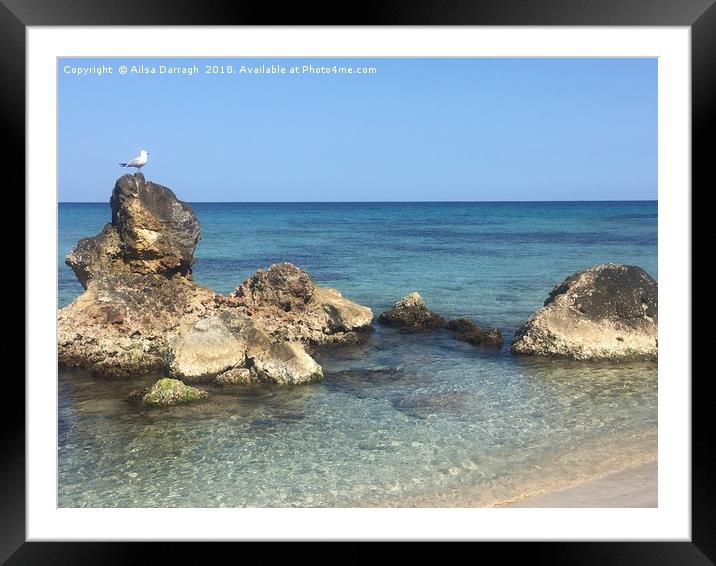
{"x": 416, "y": 130}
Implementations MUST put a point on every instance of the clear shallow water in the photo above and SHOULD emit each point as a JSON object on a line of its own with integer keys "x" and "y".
{"x": 405, "y": 419}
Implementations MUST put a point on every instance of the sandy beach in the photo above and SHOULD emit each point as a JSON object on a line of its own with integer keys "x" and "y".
{"x": 633, "y": 487}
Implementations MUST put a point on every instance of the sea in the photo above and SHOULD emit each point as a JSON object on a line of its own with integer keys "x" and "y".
{"x": 406, "y": 419}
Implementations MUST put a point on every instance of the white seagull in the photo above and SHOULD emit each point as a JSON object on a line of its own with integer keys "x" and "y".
{"x": 137, "y": 162}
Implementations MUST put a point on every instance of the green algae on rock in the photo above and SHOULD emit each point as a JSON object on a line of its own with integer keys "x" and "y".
{"x": 167, "y": 393}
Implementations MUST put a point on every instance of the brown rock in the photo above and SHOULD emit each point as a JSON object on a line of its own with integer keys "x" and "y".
{"x": 120, "y": 325}
{"x": 468, "y": 331}
{"x": 152, "y": 232}
{"x": 412, "y": 312}
{"x": 287, "y": 303}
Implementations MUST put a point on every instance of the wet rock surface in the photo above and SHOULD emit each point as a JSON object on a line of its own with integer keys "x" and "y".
{"x": 609, "y": 311}
{"x": 468, "y": 331}
{"x": 412, "y": 312}
{"x": 167, "y": 393}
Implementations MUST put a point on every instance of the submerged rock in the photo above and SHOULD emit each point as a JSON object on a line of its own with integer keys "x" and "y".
{"x": 424, "y": 405}
{"x": 412, "y": 312}
{"x": 609, "y": 311}
{"x": 141, "y": 312}
{"x": 286, "y": 302}
{"x": 364, "y": 383}
{"x": 468, "y": 331}
{"x": 167, "y": 393}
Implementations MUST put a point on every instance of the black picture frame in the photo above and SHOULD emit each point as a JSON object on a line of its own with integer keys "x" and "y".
{"x": 699, "y": 15}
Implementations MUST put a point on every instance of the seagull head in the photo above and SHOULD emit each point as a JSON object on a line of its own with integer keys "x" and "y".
{"x": 144, "y": 152}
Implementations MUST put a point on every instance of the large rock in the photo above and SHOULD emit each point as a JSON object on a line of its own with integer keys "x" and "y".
{"x": 152, "y": 232}
{"x": 286, "y": 302}
{"x": 412, "y": 312}
{"x": 228, "y": 347}
{"x": 142, "y": 314}
{"x": 609, "y": 311}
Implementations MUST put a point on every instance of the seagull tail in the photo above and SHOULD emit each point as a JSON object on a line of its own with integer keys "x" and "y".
{"x": 122, "y": 164}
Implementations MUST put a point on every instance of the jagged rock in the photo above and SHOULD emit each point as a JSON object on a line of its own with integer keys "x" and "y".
{"x": 95, "y": 254}
{"x": 286, "y": 302}
{"x": 282, "y": 285}
{"x": 229, "y": 347}
{"x": 412, "y": 312}
{"x": 468, "y": 331}
{"x": 167, "y": 393}
{"x": 152, "y": 232}
{"x": 609, "y": 311}
{"x": 142, "y": 314}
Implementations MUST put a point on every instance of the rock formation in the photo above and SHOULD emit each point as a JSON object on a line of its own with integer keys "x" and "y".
{"x": 468, "y": 331}
{"x": 141, "y": 312}
{"x": 609, "y": 311}
{"x": 152, "y": 232}
{"x": 287, "y": 303}
{"x": 167, "y": 393}
{"x": 412, "y": 312}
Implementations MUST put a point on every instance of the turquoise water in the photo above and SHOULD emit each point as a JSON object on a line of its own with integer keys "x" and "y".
{"x": 405, "y": 419}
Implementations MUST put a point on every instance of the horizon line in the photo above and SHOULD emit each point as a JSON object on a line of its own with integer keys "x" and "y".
{"x": 376, "y": 201}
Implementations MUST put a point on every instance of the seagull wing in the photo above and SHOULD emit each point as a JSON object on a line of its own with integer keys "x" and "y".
{"x": 135, "y": 161}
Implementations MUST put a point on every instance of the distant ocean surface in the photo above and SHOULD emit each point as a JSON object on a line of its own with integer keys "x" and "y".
{"x": 405, "y": 419}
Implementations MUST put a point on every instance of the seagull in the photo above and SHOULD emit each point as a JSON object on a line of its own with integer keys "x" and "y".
{"x": 137, "y": 162}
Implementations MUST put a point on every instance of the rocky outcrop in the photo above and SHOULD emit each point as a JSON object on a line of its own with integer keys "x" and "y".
{"x": 609, "y": 311}
{"x": 291, "y": 307}
{"x": 167, "y": 393}
{"x": 412, "y": 312}
{"x": 468, "y": 331}
{"x": 136, "y": 276}
{"x": 142, "y": 314}
{"x": 152, "y": 232}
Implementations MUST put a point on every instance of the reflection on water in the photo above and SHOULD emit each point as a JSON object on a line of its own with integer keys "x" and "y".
{"x": 409, "y": 420}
